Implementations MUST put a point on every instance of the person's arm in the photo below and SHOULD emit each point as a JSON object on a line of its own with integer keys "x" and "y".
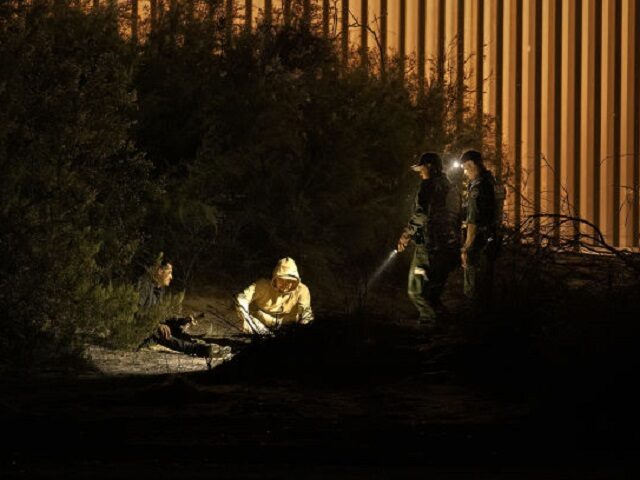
{"x": 265, "y": 319}
{"x": 243, "y": 301}
{"x": 305, "y": 313}
{"x": 472, "y": 224}
{"x": 164, "y": 331}
{"x": 418, "y": 219}
{"x": 177, "y": 322}
{"x": 472, "y": 229}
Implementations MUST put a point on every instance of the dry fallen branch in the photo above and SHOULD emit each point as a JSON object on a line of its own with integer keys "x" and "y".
{"x": 549, "y": 236}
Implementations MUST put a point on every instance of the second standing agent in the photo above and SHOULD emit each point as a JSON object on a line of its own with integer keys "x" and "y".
{"x": 481, "y": 244}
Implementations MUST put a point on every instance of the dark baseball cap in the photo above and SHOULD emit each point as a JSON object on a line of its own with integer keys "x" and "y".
{"x": 428, "y": 158}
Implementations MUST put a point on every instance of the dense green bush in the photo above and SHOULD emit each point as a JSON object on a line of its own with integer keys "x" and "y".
{"x": 73, "y": 190}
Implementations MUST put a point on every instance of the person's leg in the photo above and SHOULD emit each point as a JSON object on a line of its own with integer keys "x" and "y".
{"x": 486, "y": 282}
{"x": 418, "y": 279}
{"x": 185, "y": 346}
{"x": 441, "y": 264}
{"x": 478, "y": 279}
{"x": 182, "y": 342}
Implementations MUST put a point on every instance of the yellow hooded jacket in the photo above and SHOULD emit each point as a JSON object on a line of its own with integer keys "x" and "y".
{"x": 272, "y": 307}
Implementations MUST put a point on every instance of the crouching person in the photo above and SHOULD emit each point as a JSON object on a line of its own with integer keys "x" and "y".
{"x": 266, "y": 305}
{"x": 170, "y": 332}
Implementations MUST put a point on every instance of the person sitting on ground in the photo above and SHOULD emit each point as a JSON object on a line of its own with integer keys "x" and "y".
{"x": 266, "y": 305}
{"x": 171, "y": 331}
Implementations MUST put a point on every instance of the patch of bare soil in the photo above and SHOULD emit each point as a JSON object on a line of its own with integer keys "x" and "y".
{"x": 218, "y": 327}
{"x": 153, "y": 360}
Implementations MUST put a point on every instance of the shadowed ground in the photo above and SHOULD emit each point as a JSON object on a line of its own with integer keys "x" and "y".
{"x": 351, "y": 396}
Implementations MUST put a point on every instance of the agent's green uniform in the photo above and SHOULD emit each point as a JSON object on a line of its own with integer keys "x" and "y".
{"x": 434, "y": 228}
{"x": 481, "y": 211}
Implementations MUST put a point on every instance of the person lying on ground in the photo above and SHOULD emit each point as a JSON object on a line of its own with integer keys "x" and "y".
{"x": 267, "y": 305}
{"x": 171, "y": 331}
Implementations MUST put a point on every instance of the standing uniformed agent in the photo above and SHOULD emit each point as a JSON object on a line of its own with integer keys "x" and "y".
{"x": 481, "y": 243}
{"x": 434, "y": 227}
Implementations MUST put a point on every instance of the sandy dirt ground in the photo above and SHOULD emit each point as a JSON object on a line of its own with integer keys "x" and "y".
{"x": 219, "y": 327}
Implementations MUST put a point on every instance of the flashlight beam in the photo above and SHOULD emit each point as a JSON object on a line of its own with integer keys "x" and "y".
{"x": 381, "y": 268}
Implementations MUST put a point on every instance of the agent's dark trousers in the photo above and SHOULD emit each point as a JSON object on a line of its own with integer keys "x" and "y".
{"x": 427, "y": 276}
{"x": 478, "y": 279}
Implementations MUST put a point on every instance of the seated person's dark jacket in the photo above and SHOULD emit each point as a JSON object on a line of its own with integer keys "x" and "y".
{"x": 150, "y": 294}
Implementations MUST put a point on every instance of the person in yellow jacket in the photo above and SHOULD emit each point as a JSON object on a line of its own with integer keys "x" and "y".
{"x": 266, "y": 305}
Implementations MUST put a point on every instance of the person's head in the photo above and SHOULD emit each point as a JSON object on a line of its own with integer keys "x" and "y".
{"x": 472, "y": 165}
{"x": 429, "y": 164}
{"x": 163, "y": 274}
{"x": 285, "y": 276}
{"x": 285, "y": 284}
